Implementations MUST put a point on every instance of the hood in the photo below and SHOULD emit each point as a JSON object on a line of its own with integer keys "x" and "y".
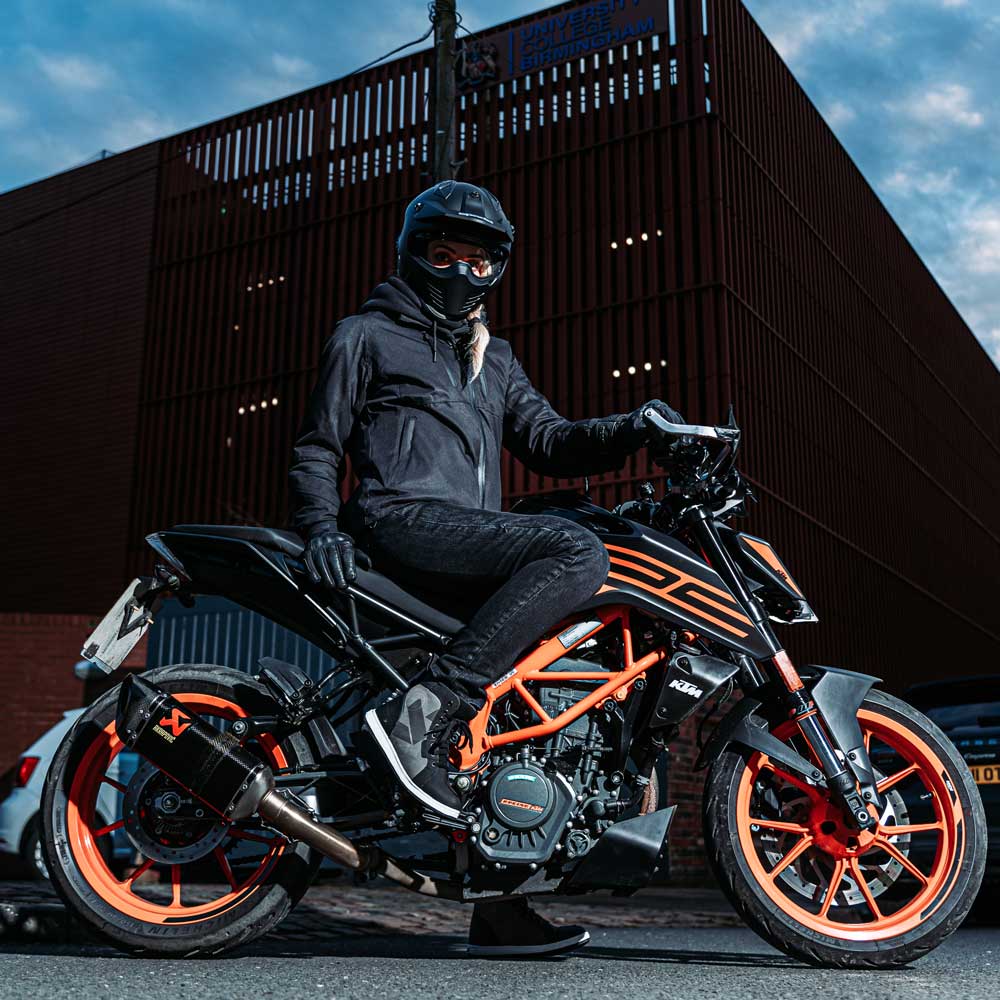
{"x": 400, "y": 302}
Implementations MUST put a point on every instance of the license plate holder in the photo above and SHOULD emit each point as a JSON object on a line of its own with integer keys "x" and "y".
{"x": 123, "y": 626}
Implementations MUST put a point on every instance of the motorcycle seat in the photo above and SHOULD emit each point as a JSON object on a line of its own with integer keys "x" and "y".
{"x": 369, "y": 579}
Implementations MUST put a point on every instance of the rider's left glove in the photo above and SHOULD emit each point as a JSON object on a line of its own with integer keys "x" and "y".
{"x": 638, "y": 432}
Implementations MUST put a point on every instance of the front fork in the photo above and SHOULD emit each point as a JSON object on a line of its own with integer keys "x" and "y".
{"x": 848, "y": 771}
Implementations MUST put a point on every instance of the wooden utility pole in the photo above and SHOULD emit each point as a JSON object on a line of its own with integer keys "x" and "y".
{"x": 444, "y": 90}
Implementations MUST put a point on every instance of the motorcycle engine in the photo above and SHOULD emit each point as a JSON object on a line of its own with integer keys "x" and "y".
{"x": 555, "y": 799}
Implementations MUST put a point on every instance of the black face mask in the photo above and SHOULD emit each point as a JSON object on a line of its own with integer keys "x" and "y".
{"x": 454, "y": 290}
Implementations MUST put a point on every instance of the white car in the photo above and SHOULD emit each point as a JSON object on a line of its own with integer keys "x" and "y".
{"x": 19, "y": 827}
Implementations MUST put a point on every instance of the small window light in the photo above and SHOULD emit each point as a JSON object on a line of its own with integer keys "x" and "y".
{"x": 648, "y": 366}
{"x": 659, "y": 232}
{"x": 229, "y": 442}
{"x": 645, "y": 236}
{"x": 236, "y": 326}
{"x": 253, "y": 409}
{"x": 616, "y": 373}
{"x": 270, "y": 281}
{"x": 260, "y": 284}
{"x": 614, "y": 245}
{"x": 663, "y": 363}
{"x": 281, "y": 277}
{"x": 631, "y": 369}
{"x": 274, "y": 402}
{"x": 242, "y": 410}
{"x": 263, "y": 404}
{"x": 249, "y": 288}
{"x": 628, "y": 240}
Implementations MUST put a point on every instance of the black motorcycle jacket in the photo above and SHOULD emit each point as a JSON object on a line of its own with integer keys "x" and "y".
{"x": 393, "y": 393}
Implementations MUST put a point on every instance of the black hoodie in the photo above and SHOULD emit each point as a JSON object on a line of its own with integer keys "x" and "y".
{"x": 394, "y": 394}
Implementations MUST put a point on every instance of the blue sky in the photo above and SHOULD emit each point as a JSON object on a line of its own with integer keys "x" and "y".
{"x": 909, "y": 86}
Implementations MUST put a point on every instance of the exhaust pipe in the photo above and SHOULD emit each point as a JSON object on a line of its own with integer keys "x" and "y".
{"x": 230, "y": 780}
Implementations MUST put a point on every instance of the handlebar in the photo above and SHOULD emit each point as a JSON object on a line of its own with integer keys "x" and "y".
{"x": 695, "y": 454}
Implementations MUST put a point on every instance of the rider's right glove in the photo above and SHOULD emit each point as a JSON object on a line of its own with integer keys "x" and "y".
{"x": 329, "y": 558}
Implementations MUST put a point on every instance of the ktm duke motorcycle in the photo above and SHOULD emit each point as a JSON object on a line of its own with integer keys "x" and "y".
{"x": 841, "y": 823}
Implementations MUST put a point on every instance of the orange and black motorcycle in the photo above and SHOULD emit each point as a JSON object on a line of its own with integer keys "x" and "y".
{"x": 841, "y": 823}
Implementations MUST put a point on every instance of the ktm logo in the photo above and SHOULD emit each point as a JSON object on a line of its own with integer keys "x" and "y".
{"x": 176, "y": 722}
{"x": 686, "y": 687}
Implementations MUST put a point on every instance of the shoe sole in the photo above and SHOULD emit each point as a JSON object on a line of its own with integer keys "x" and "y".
{"x": 526, "y": 950}
{"x": 381, "y": 737}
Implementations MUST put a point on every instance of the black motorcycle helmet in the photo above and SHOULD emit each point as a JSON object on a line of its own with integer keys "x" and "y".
{"x": 459, "y": 211}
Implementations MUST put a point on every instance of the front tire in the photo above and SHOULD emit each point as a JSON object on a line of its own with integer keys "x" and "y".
{"x": 205, "y": 886}
{"x": 817, "y": 888}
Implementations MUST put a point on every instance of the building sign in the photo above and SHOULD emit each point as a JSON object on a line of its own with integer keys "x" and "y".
{"x": 570, "y": 34}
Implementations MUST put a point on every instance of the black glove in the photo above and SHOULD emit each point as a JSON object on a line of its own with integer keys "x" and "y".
{"x": 329, "y": 558}
{"x": 639, "y": 432}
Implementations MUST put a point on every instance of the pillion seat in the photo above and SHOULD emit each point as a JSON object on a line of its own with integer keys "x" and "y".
{"x": 369, "y": 579}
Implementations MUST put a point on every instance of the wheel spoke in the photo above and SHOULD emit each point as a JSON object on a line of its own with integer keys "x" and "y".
{"x": 791, "y": 779}
{"x": 246, "y": 835}
{"x": 775, "y": 824}
{"x": 804, "y": 844}
{"x": 868, "y": 741}
{"x": 894, "y": 779}
{"x": 140, "y": 871}
{"x": 832, "y": 886}
{"x": 894, "y": 852}
{"x": 865, "y": 890}
{"x": 175, "y": 881}
{"x": 117, "y": 825}
{"x": 113, "y": 783}
{"x": 899, "y": 831}
{"x": 220, "y": 856}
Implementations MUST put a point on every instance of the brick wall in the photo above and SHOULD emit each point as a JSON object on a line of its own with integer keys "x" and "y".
{"x": 37, "y": 683}
{"x": 688, "y": 861}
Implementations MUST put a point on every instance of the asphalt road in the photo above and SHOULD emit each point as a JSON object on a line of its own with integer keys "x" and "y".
{"x": 635, "y": 962}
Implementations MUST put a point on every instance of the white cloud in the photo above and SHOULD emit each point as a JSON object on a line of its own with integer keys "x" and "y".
{"x": 802, "y": 29}
{"x": 292, "y": 66}
{"x": 791, "y": 40}
{"x": 9, "y": 114}
{"x": 979, "y": 243}
{"x": 838, "y": 113}
{"x": 908, "y": 181}
{"x": 937, "y": 107}
{"x": 954, "y": 3}
{"x": 136, "y": 130}
{"x": 71, "y": 72}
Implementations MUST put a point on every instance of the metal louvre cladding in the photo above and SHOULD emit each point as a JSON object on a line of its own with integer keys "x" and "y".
{"x": 688, "y": 228}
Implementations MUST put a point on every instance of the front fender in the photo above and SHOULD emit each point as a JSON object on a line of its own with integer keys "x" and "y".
{"x": 838, "y": 695}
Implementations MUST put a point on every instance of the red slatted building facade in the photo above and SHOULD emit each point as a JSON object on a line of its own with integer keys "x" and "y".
{"x": 688, "y": 228}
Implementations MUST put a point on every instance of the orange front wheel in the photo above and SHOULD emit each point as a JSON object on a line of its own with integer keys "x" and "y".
{"x": 823, "y": 891}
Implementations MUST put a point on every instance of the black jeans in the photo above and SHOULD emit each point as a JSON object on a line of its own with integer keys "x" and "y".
{"x": 515, "y": 574}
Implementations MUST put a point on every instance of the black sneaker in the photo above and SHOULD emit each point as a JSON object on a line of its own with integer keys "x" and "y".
{"x": 512, "y": 929}
{"x": 414, "y": 731}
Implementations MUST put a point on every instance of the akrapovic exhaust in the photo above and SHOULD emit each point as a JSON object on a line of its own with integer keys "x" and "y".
{"x": 210, "y": 764}
{"x": 216, "y": 769}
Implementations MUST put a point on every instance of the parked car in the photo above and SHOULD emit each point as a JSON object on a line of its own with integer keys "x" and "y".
{"x": 19, "y": 826}
{"x": 968, "y": 710}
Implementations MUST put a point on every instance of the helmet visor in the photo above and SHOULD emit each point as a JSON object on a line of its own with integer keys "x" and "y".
{"x": 442, "y": 247}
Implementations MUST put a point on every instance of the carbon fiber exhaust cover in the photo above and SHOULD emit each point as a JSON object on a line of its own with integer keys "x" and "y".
{"x": 208, "y": 763}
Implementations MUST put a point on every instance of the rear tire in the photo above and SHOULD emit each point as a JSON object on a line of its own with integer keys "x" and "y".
{"x": 139, "y": 921}
{"x": 869, "y": 921}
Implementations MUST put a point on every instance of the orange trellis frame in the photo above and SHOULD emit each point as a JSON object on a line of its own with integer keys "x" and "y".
{"x": 532, "y": 667}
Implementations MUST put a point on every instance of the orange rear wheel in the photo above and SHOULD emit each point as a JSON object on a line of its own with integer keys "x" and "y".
{"x": 193, "y": 884}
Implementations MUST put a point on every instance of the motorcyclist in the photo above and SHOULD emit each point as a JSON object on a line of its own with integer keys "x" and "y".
{"x": 422, "y": 398}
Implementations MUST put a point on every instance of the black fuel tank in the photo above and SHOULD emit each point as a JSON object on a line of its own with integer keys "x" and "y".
{"x": 655, "y": 572}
